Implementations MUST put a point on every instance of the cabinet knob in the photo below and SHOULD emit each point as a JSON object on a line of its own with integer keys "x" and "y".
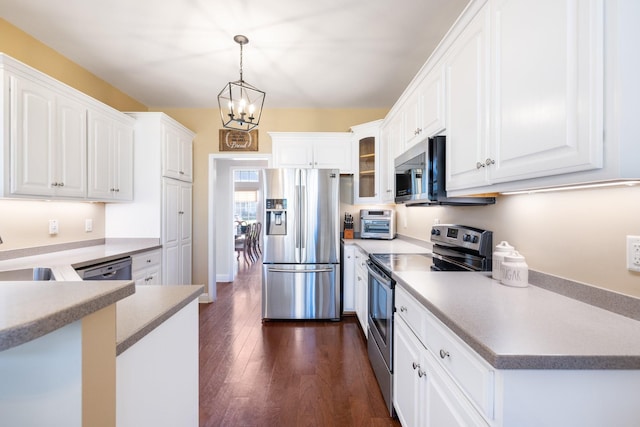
{"x": 444, "y": 354}
{"x": 415, "y": 366}
{"x": 479, "y": 165}
{"x": 403, "y": 309}
{"x": 310, "y": 163}
{"x": 421, "y": 373}
{"x": 489, "y": 161}
{"x": 148, "y": 261}
{"x": 181, "y": 173}
{"x": 112, "y": 190}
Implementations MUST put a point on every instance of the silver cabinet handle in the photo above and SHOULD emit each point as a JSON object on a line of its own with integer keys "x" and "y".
{"x": 489, "y": 161}
{"x": 444, "y": 354}
{"x": 479, "y": 165}
{"x": 313, "y": 270}
{"x": 421, "y": 373}
{"x": 403, "y": 309}
{"x": 416, "y": 366}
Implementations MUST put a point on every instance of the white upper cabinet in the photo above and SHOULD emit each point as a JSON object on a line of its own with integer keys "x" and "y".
{"x": 543, "y": 101}
{"x": 313, "y": 150}
{"x": 466, "y": 70}
{"x": 390, "y": 143}
{"x": 368, "y": 178}
{"x": 58, "y": 143}
{"x": 110, "y": 156}
{"x": 424, "y": 111}
{"x": 524, "y": 101}
{"x": 48, "y": 141}
{"x": 177, "y": 159}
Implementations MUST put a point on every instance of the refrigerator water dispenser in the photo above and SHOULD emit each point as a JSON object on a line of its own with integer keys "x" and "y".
{"x": 276, "y": 217}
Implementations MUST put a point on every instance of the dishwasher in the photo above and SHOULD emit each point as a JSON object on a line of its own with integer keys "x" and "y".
{"x": 117, "y": 269}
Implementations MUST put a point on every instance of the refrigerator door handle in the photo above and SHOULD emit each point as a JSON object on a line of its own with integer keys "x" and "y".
{"x": 286, "y": 270}
{"x": 303, "y": 217}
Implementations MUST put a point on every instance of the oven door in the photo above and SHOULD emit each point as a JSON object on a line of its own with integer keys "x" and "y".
{"x": 380, "y": 317}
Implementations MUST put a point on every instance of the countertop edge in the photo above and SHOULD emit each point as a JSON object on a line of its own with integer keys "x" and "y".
{"x": 148, "y": 327}
{"x": 525, "y": 361}
{"x": 29, "y": 331}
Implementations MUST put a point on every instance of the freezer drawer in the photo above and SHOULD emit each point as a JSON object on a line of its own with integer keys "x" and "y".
{"x": 301, "y": 291}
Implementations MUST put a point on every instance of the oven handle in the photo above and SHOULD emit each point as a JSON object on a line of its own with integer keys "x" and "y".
{"x": 379, "y": 275}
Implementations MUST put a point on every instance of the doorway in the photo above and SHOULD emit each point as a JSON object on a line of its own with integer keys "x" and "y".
{"x": 221, "y": 247}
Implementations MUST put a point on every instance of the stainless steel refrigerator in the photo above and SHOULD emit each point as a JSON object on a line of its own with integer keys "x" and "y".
{"x": 301, "y": 244}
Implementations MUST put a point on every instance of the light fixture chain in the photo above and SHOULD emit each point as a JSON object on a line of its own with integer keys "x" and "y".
{"x": 241, "y": 78}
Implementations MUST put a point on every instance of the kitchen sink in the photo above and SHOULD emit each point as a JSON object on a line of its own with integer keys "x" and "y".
{"x": 27, "y": 274}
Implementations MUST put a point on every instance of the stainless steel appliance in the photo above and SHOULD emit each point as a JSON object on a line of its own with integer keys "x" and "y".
{"x": 420, "y": 177}
{"x": 377, "y": 224}
{"x": 301, "y": 267}
{"x": 455, "y": 248}
{"x": 117, "y": 269}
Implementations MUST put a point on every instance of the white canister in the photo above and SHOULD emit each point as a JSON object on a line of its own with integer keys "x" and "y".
{"x": 501, "y": 250}
{"x": 515, "y": 271}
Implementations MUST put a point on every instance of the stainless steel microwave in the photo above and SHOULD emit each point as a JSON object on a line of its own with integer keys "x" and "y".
{"x": 420, "y": 177}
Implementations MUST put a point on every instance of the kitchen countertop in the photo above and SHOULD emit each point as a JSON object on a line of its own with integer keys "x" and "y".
{"x": 63, "y": 263}
{"x": 397, "y": 245}
{"x": 142, "y": 312}
{"x": 33, "y": 309}
{"x": 526, "y": 328}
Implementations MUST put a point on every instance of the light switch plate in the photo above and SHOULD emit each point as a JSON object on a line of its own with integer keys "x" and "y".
{"x": 88, "y": 225}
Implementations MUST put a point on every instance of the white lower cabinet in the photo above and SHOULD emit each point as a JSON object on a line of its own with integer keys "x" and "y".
{"x": 348, "y": 279}
{"x": 362, "y": 289}
{"x": 424, "y": 394}
{"x": 147, "y": 267}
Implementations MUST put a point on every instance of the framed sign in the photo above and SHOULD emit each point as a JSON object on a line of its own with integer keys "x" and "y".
{"x": 236, "y": 140}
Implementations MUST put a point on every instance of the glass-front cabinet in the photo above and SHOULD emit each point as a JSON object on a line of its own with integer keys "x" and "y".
{"x": 366, "y": 186}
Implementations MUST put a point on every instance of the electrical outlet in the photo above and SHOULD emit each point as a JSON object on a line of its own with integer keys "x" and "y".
{"x": 88, "y": 225}
{"x": 633, "y": 253}
{"x": 53, "y": 226}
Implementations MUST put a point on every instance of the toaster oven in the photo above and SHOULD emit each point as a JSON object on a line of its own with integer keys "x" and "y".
{"x": 377, "y": 224}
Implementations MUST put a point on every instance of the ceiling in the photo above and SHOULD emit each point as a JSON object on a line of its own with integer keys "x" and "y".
{"x": 302, "y": 53}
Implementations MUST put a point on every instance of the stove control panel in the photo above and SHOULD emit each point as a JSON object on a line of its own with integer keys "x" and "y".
{"x": 461, "y": 236}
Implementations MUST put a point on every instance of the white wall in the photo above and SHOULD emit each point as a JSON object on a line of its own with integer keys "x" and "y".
{"x": 579, "y": 235}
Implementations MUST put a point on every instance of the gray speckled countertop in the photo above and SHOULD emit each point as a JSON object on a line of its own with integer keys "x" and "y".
{"x": 397, "y": 246}
{"x": 63, "y": 262}
{"x": 145, "y": 310}
{"x": 33, "y": 309}
{"x": 526, "y": 328}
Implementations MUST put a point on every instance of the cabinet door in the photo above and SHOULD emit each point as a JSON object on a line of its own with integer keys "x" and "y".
{"x": 177, "y": 156}
{"x": 170, "y": 212}
{"x": 362, "y": 290}
{"x": 122, "y": 158}
{"x": 407, "y": 385}
{"x": 100, "y": 155}
{"x": 432, "y": 119}
{"x": 333, "y": 153}
{"x": 70, "y": 156}
{"x": 547, "y": 96}
{"x": 348, "y": 276}
{"x": 413, "y": 131}
{"x": 292, "y": 154}
{"x": 390, "y": 148}
{"x": 466, "y": 100}
{"x": 33, "y": 137}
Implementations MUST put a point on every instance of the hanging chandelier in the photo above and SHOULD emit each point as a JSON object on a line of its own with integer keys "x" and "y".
{"x": 240, "y": 103}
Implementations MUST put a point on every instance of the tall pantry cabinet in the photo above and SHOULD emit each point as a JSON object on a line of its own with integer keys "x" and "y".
{"x": 163, "y": 189}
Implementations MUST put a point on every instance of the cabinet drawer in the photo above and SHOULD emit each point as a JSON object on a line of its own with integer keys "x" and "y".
{"x": 146, "y": 259}
{"x": 411, "y": 312}
{"x": 474, "y": 376}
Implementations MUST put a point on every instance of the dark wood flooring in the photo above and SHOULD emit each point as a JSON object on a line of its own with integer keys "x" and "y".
{"x": 312, "y": 373}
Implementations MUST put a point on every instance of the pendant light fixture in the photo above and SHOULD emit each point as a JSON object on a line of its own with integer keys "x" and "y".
{"x": 240, "y": 103}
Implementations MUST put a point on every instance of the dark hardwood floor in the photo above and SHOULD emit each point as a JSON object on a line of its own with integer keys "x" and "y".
{"x": 282, "y": 373}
